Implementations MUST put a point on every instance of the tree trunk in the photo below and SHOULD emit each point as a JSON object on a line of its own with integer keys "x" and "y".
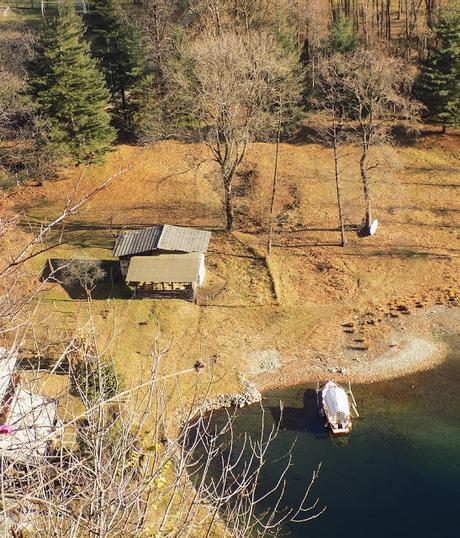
{"x": 228, "y": 202}
{"x": 388, "y": 22}
{"x": 339, "y": 199}
{"x": 367, "y": 195}
{"x": 124, "y": 112}
{"x": 313, "y": 81}
{"x": 275, "y": 181}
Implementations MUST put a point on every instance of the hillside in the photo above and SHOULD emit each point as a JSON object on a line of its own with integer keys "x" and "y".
{"x": 268, "y": 129}
{"x": 296, "y": 303}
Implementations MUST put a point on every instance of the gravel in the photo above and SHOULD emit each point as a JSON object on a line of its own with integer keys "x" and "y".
{"x": 264, "y": 361}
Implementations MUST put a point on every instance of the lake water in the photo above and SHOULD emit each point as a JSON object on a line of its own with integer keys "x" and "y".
{"x": 397, "y": 476}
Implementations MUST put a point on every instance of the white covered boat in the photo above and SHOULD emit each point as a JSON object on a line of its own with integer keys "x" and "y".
{"x": 336, "y": 407}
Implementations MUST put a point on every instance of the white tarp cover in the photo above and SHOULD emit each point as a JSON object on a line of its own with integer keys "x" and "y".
{"x": 33, "y": 419}
{"x": 335, "y": 402}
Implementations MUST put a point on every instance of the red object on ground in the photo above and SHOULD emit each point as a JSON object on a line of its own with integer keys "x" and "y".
{"x": 6, "y": 429}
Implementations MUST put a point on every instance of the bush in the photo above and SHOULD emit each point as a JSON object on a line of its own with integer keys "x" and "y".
{"x": 6, "y": 181}
{"x": 92, "y": 379}
{"x": 84, "y": 273}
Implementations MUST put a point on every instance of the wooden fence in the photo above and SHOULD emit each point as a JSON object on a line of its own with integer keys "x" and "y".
{"x": 41, "y": 5}
{"x": 44, "y": 5}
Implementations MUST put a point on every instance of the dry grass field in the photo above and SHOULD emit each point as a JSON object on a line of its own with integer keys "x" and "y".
{"x": 297, "y": 301}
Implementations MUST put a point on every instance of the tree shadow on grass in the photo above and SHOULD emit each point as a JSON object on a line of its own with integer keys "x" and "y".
{"x": 112, "y": 286}
{"x": 43, "y": 364}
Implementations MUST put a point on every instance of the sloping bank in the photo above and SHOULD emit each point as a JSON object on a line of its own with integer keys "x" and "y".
{"x": 415, "y": 344}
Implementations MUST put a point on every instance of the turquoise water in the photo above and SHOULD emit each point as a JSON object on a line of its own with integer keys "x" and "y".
{"x": 399, "y": 473}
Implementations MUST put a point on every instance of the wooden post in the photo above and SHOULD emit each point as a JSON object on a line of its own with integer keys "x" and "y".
{"x": 194, "y": 292}
{"x": 353, "y": 401}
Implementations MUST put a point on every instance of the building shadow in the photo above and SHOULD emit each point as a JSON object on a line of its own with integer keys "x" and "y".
{"x": 111, "y": 286}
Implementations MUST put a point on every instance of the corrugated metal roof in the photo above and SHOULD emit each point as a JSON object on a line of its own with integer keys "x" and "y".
{"x": 163, "y": 237}
{"x": 165, "y": 268}
{"x": 137, "y": 242}
{"x": 184, "y": 239}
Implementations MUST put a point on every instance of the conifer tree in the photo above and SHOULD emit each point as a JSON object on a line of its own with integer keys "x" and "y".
{"x": 68, "y": 90}
{"x": 438, "y": 85}
{"x": 342, "y": 38}
{"x": 117, "y": 44}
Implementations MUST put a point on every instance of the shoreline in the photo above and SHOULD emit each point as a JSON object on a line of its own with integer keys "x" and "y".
{"x": 418, "y": 344}
{"x": 413, "y": 355}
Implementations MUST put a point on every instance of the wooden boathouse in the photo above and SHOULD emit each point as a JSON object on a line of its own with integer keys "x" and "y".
{"x": 163, "y": 261}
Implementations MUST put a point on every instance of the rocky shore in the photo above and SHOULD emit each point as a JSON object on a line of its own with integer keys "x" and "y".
{"x": 413, "y": 344}
{"x": 249, "y": 395}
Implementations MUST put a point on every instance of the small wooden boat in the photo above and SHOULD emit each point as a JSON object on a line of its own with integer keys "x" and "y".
{"x": 336, "y": 408}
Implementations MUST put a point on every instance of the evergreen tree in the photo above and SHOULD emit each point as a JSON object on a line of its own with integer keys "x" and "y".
{"x": 342, "y": 37}
{"x": 68, "y": 90}
{"x": 438, "y": 85}
{"x": 117, "y": 44}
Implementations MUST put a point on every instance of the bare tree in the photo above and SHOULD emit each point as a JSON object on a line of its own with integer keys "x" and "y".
{"x": 231, "y": 481}
{"x": 122, "y": 465}
{"x": 309, "y": 18}
{"x": 18, "y": 155}
{"x": 211, "y": 13}
{"x": 161, "y": 23}
{"x": 158, "y": 19}
{"x": 122, "y": 461}
{"x": 234, "y": 85}
{"x": 375, "y": 92}
{"x": 85, "y": 273}
{"x": 218, "y": 16}
{"x": 275, "y": 180}
{"x": 20, "y": 244}
{"x": 331, "y": 122}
